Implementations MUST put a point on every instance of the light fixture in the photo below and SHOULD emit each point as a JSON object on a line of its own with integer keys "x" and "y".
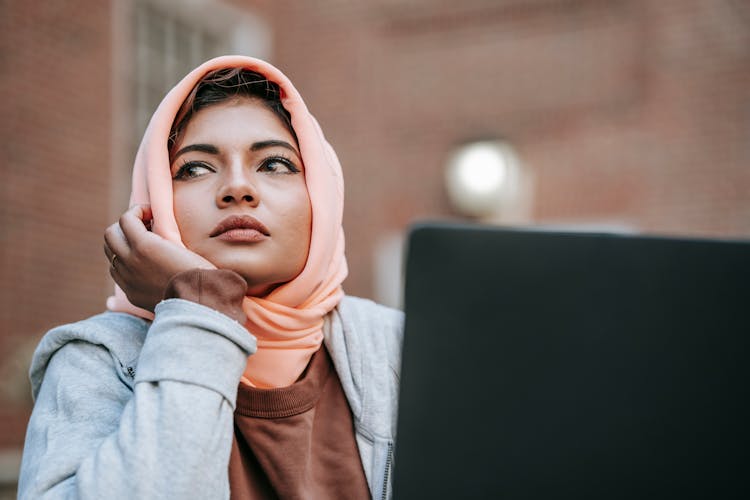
{"x": 482, "y": 178}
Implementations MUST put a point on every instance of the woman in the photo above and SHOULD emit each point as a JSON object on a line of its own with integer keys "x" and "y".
{"x": 230, "y": 359}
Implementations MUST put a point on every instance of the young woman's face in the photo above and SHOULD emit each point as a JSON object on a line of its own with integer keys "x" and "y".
{"x": 240, "y": 197}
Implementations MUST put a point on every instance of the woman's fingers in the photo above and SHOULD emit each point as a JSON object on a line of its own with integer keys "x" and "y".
{"x": 115, "y": 242}
{"x": 124, "y": 236}
{"x": 108, "y": 253}
{"x": 116, "y": 276}
{"x": 134, "y": 222}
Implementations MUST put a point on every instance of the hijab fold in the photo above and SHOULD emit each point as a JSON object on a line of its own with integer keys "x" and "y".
{"x": 288, "y": 321}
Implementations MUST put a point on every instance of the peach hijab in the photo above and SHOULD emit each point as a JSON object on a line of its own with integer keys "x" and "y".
{"x": 287, "y": 322}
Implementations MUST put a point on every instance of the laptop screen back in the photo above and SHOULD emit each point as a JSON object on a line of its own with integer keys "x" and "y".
{"x": 558, "y": 365}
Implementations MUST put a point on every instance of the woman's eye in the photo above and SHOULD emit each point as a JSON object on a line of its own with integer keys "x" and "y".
{"x": 278, "y": 166}
{"x": 191, "y": 170}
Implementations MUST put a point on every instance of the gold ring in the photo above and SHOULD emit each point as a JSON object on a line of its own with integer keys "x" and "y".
{"x": 112, "y": 262}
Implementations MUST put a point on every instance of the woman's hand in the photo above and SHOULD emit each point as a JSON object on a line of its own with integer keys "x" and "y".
{"x": 142, "y": 262}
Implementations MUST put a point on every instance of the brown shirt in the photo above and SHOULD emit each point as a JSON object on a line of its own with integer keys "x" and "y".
{"x": 296, "y": 441}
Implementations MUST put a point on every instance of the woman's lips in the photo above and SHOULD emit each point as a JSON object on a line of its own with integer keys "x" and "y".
{"x": 240, "y": 228}
{"x": 241, "y": 235}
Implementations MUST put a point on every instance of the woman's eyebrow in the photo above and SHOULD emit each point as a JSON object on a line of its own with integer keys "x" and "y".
{"x": 204, "y": 148}
{"x": 273, "y": 143}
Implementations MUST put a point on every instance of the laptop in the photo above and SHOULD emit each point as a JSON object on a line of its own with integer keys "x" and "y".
{"x": 542, "y": 364}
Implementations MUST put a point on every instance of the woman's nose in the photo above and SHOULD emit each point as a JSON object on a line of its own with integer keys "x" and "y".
{"x": 237, "y": 187}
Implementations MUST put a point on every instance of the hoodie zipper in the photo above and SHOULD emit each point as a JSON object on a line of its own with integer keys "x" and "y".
{"x": 388, "y": 462}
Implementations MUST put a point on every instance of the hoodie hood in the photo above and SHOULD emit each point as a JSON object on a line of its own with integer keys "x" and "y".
{"x": 287, "y": 322}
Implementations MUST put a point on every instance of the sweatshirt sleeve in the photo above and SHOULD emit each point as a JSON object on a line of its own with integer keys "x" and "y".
{"x": 91, "y": 437}
{"x": 219, "y": 289}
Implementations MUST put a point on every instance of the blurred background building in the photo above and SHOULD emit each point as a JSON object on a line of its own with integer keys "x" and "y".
{"x": 626, "y": 115}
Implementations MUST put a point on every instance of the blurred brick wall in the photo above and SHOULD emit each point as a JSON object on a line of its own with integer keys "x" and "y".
{"x": 635, "y": 112}
{"x": 55, "y": 180}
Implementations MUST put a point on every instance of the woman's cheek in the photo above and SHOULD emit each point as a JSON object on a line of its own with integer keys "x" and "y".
{"x": 185, "y": 216}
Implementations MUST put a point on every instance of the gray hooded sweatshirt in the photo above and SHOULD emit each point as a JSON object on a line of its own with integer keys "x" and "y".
{"x": 126, "y": 408}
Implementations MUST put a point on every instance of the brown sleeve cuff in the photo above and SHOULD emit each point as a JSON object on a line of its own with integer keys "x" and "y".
{"x": 219, "y": 289}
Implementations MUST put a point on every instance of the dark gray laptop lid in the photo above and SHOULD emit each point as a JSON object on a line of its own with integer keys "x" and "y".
{"x": 557, "y": 365}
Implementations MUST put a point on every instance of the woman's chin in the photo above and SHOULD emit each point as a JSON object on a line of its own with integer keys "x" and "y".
{"x": 262, "y": 273}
